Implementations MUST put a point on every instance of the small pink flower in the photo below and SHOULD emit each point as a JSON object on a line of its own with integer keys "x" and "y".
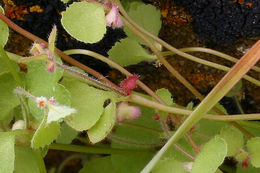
{"x": 41, "y": 101}
{"x": 52, "y": 100}
{"x": 127, "y": 112}
{"x": 129, "y": 84}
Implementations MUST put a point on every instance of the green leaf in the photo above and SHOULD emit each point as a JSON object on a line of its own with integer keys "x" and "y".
{"x": 253, "y": 147}
{"x": 211, "y": 156}
{"x": 99, "y": 165}
{"x": 7, "y": 140}
{"x": 8, "y": 100}
{"x": 234, "y": 139}
{"x": 45, "y": 134}
{"x": 25, "y": 160}
{"x": 146, "y": 16}
{"x": 58, "y": 112}
{"x": 104, "y": 125}
{"x": 67, "y": 134}
{"x": 136, "y": 138}
{"x": 4, "y": 30}
{"x": 128, "y": 52}
{"x": 88, "y": 102}
{"x": 40, "y": 82}
{"x": 169, "y": 165}
{"x": 85, "y": 21}
{"x": 165, "y": 95}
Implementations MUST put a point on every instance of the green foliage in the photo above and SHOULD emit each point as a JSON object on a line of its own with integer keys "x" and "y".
{"x": 104, "y": 125}
{"x": 4, "y": 30}
{"x": 45, "y": 134}
{"x": 165, "y": 95}
{"x": 135, "y": 138}
{"x": 7, "y": 152}
{"x": 211, "y": 156}
{"x": 234, "y": 139}
{"x": 88, "y": 102}
{"x": 67, "y": 134}
{"x": 253, "y": 147}
{"x": 46, "y": 85}
{"x": 25, "y": 160}
{"x": 8, "y": 100}
{"x": 85, "y": 21}
{"x": 169, "y": 165}
{"x": 141, "y": 14}
{"x": 128, "y": 52}
{"x": 99, "y": 165}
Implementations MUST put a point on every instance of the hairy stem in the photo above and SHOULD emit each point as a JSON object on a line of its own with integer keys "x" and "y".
{"x": 59, "y": 52}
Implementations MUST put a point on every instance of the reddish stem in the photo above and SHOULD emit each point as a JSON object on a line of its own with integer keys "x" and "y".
{"x": 61, "y": 54}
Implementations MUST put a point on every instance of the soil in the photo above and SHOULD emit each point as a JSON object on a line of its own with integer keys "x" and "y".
{"x": 177, "y": 30}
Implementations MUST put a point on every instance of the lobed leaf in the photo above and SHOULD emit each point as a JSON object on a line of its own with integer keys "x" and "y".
{"x": 141, "y": 14}
{"x": 85, "y": 21}
{"x": 45, "y": 134}
{"x": 128, "y": 52}
{"x": 211, "y": 156}
{"x": 88, "y": 102}
{"x": 234, "y": 139}
{"x": 8, "y": 100}
{"x": 169, "y": 165}
{"x": 253, "y": 147}
{"x": 7, "y": 155}
{"x": 25, "y": 160}
{"x": 67, "y": 134}
{"x": 104, "y": 125}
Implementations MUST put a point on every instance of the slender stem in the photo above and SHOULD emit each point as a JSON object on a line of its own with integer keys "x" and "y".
{"x": 10, "y": 67}
{"x": 174, "y": 72}
{"x": 209, "y": 51}
{"x": 227, "y": 82}
{"x": 114, "y": 65}
{"x": 88, "y": 79}
{"x": 124, "y": 71}
{"x": 193, "y": 144}
{"x": 59, "y": 52}
{"x": 169, "y": 47}
{"x": 214, "y": 65}
{"x": 96, "y": 150}
{"x": 40, "y": 161}
{"x": 151, "y": 104}
{"x": 166, "y": 45}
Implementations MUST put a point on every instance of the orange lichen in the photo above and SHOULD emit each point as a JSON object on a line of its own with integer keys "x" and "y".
{"x": 36, "y": 8}
{"x": 12, "y": 11}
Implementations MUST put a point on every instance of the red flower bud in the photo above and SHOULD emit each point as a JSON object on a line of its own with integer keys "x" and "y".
{"x": 129, "y": 84}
